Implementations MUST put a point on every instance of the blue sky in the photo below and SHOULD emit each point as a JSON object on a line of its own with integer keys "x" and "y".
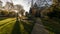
{"x": 25, "y": 3}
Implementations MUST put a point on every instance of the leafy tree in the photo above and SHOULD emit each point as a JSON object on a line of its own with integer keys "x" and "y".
{"x": 5, "y": 13}
{"x": 56, "y": 10}
{"x": 26, "y": 13}
{"x": 12, "y": 14}
{"x": 22, "y": 12}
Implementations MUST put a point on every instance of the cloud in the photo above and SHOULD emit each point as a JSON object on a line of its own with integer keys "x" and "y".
{"x": 25, "y": 3}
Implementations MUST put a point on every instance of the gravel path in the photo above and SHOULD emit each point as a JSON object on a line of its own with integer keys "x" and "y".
{"x": 39, "y": 28}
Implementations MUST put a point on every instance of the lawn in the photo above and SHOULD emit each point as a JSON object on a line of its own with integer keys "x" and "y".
{"x": 11, "y": 26}
{"x": 28, "y": 26}
{"x": 2, "y": 18}
{"x": 6, "y": 25}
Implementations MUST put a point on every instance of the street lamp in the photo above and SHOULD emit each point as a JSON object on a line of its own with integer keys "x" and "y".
{"x": 16, "y": 15}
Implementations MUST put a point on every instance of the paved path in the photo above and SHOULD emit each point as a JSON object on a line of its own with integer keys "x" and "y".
{"x": 39, "y": 28}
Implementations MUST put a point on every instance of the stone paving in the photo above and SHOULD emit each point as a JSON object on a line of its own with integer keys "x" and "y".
{"x": 39, "y": 28}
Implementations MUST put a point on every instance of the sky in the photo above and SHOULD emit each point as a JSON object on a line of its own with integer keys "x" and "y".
{"x": 25, "y": 3}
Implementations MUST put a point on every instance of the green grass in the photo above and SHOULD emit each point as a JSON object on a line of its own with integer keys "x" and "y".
{"x": 28, "y": 26}
{"x": 6, "y": 21}
{"x": 10, "y": 26}
{"x": 2, "y": 18}
{"x": 6, "y": 25}
{"x": 52, "y": 25}
{"x": 6, "y": 29}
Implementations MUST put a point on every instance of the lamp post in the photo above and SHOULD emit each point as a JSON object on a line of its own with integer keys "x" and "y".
{"x": 16, "y": 15}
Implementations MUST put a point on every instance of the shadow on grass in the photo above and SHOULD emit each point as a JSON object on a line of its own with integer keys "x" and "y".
{"x": 28, "y": 27}
{"x": 16, "y": 28}
{"x": 5, "y": 23}
{"x": 2, "y": 18}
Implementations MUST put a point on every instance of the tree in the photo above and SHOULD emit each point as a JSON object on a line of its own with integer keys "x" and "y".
{"x": 56, "y": 9}
{"x": 12, "y": 14}
{"x": 4, "y": 13}
{"x": 22, "y": 12}
{"x": 19, "y": 8}
{"x": 26, "y": 13}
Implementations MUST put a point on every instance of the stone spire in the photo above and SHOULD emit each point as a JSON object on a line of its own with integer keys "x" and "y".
{"x": 35, "y": 5}
{"x": 1, "y": 3}
{"x": 31, "y": 3}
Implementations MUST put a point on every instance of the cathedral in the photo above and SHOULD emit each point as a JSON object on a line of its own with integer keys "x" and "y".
{"x": 35, "y": 11}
